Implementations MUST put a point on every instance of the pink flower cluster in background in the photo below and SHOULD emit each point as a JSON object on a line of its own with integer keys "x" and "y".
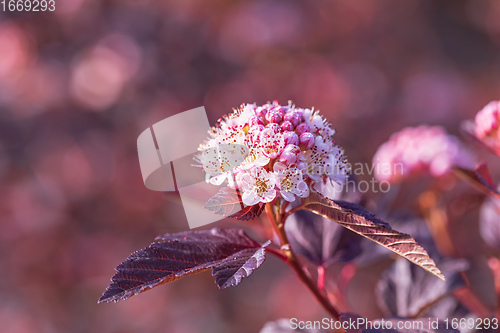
{"x": 423, "y": 148}
{"x": 285, "y": 150}
{"x": 486, "y": 126}
{"x": 487, "y": 121}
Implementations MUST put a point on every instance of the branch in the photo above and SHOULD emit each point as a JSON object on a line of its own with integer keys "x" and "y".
{"x": 278, "y": 222}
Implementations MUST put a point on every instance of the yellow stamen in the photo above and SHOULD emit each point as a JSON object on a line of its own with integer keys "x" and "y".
{"x": 286, "y": 184}
{"x": 260, "y": 186}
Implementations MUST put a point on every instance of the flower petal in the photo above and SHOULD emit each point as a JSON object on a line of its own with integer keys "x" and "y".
{"x": 250, "y": 198}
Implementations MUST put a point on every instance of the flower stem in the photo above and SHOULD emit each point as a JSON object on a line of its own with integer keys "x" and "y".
{"x": 278, "y": 222}
{"x": 321, "y": 277}
{"x": 293, "y": 210}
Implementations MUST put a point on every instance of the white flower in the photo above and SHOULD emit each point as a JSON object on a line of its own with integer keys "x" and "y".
{"x": 256, "y": 185}
{"x": 239, "y": 119}
{"x": 233, "y": 135}
{"x": 220, "y": 160}
{"x": 290, "y": 182}
{"x": 272, "y": 144}
{"x": 323, "y": 146}
{"x": 335, "y": 167}
{"x": 323, "y": 159}
{"x": 255, "y": 156}
{"x": 317, "y": 124}
{"x": 312, "y": 165}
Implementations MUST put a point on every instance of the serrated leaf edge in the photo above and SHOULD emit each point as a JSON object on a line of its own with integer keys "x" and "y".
{"x": 429, "y": 267}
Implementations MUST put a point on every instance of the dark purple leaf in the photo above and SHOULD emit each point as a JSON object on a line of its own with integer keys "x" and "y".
{"x": 406, "y": 291}
{"x": 356, "y": 324}
{"x": 404, "y": 223}
{"x": 230, "y": 271}
{"x": 321, "y": 241}
{"x": 359, "y": 220}
{"x": 358, "y": 210}
{"x": 230, "y": 253}
{"x": 479, "y": 178}
{"x": 469, "y": 130}
{"x": 373, "y": 252}
{"x": 449, "y": 307}
{"x": 490, "y": 223}
{"x": 227, "y": 202}
{"x": 249, "y": 212}
{"x": 423, "y": 289}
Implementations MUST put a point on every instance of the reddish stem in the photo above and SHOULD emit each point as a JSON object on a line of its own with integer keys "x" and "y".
{"x": 277, "y": 221}
{"x": 321, "y": 277}
{"x": 278, "y": 253}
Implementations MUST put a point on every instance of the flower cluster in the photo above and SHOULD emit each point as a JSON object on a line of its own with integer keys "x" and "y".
{"x": 487, "y": 126}
{"x": 488, "y": 121}
{"x": 272, "y": 150}
{"x": 422, "y": 148}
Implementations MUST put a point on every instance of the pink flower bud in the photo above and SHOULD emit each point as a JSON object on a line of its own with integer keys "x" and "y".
{"x": 286, "y": 126}
{"x": 289, "y": 154}
{"x": 256, "y": 128}
{"x": 302, "y": 128}
{"x": 255, "y": 120}
{"x": 261, "y": 112}
{"x": 293, "y": 117}
{"x": 291, "y": 138}
{"x": 293, "y": 149}
{"x": 275, "y": 127}
{"x": 307, "y": 140}
{"x": 282, "y": 110}
{"x": 288, "y": 158}
{"x": 274, "y": 116}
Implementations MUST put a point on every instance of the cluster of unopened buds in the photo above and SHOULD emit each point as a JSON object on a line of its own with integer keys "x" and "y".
{"x": 272, "y": 151}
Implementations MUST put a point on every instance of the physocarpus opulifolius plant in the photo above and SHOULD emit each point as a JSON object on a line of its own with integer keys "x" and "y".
{"x": 271, "y": 155}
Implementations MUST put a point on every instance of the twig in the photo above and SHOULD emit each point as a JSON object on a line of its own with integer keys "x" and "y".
{"x": 278, "y": 253}
{"x": 321, "y": 277}
{"x": 278, "y": 222}
{"x": 293, "y": 210}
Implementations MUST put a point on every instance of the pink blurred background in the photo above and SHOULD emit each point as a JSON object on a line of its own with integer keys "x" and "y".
{"x": 78, "y": 85}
